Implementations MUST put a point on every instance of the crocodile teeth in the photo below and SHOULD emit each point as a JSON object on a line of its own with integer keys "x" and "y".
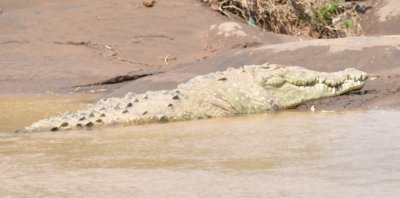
{"x": 364, "y": 77}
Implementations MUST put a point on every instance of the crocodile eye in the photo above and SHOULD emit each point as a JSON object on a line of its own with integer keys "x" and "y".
{"x": 274, "y": 81}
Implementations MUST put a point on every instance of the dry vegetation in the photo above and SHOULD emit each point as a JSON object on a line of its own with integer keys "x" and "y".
{"x": 311, "y": 18}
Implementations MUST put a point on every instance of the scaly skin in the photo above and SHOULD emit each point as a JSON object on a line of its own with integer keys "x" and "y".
{"x": 250, "y": 89}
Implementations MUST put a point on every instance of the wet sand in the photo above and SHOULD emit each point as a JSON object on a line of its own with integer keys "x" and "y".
{"x": 379, "y": 56}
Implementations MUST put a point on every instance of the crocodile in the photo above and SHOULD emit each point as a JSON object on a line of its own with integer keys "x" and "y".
{"x": 246, "y": 90}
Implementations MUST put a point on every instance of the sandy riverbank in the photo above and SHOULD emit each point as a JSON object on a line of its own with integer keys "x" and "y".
{"x": 61, "y": 46}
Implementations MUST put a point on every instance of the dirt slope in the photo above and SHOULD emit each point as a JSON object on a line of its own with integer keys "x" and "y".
{"x": 382, "y": 17}
{"x": 47, "y": 45}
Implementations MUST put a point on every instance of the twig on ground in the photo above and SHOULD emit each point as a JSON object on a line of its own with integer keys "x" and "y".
{"x": 237, "y": 9}
{"x": 222, "y": 10}
{"x": 166, "y": 59}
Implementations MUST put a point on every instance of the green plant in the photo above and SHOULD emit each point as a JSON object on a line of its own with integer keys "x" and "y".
{"x": 347, "y": 24}
{"x": 313, "y": 18}
{"x": 323, "y": 14}
{"x": 334, "y": 7}
{"x": 326, "y": 15}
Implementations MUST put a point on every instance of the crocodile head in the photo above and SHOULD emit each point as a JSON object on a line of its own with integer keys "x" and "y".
{"x": 291, "y": 86}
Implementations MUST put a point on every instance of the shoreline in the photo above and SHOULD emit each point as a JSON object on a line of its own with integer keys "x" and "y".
{"x": 56, "y": 47}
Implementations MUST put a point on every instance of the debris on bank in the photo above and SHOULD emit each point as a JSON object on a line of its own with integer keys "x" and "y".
{"x": 310, "y": 18}
{"x": 149, "y": 3}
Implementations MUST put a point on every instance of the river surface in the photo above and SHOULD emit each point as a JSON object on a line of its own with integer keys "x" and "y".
{"x": 284, "y": 154}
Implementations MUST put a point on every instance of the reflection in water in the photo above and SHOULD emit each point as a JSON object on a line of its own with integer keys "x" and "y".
{"x": 286, "y": 154}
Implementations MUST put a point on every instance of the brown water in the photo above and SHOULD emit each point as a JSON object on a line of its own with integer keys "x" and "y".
{"x": 287, "y": 154}
{"x": 17, "y": 112}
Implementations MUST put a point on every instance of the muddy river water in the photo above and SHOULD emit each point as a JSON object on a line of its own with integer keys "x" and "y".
{"x": 284, "y": 154}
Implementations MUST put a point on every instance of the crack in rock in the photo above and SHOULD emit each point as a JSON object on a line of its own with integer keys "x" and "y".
{"x": 99, "y": 47}
{"x": 120, "y": 79}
